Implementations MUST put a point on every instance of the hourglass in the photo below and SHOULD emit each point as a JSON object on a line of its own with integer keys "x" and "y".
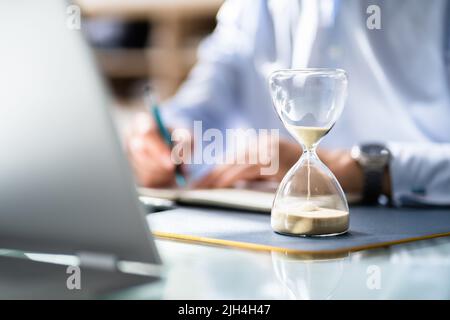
{"x": 309, "y": 200}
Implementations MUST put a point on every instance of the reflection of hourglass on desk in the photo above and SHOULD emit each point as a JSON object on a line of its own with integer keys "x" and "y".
{"x": 309, "y": 277}
{"x": 309, "y": 200}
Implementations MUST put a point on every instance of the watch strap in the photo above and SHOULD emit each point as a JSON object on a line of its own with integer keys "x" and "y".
{"x": 373, "y": 183}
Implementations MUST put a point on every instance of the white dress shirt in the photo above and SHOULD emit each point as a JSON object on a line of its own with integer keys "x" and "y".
{"x": 398, "y": 79}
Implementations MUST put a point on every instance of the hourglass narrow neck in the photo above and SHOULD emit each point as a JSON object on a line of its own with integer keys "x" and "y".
{"x": 310, "y": 150}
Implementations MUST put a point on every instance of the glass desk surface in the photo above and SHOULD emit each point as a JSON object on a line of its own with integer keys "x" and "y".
{"x": 417, "y": 270}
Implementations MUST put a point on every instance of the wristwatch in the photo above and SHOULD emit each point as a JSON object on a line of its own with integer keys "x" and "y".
{"x": 373, "y": 159}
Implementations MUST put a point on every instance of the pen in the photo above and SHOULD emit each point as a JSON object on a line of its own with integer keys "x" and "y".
{"x": 165, "y": 134}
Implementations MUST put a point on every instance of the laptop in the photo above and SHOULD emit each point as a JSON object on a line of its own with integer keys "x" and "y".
{"x": 65, "y": 184}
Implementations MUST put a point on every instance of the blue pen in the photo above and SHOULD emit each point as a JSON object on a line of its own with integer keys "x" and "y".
{"x": 165, "y": 134}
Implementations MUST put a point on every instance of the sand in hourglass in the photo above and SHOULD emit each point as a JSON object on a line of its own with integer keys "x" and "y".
{"x": 306, "y": 218}
{"x": 308, "y": 135}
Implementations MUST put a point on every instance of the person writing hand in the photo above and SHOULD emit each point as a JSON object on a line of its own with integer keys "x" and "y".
{"x": 149, "y": 155}
{"x": 227, "y": 175}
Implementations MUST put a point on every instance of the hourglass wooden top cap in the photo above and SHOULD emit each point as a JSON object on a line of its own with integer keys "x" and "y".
{"x": 309, "y": 97}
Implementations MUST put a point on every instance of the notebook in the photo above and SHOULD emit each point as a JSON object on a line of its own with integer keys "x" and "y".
{"x": 226, "y": 198}
{"x": 370, "y": 227}
{"x": 242, "y": 199}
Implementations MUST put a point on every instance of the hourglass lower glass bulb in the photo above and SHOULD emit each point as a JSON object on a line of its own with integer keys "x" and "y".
{"x": 309, "y": 200}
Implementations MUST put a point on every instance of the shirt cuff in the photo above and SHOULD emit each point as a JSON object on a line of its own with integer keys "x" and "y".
{"x": 417, "y": 175}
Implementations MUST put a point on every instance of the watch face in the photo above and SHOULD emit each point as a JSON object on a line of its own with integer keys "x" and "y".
{"x": 373, "y": 149}
{"x": 374, "y": 155}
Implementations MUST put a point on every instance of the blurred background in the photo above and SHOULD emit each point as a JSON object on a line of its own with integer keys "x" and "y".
{"x": 145, "y": 41}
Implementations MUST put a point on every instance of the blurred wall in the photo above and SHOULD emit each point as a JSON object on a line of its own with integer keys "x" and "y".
{"x": 154, "y": 40}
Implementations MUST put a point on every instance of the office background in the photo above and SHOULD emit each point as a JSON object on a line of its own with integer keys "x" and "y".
{"x": 145, "y": 41}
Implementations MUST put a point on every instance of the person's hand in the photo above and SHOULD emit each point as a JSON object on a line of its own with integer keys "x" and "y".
{"x": 344, "y": 167}
{"x": 149, "y": 154}
{"x": 346, "y": 170}
{"x": 280, "y": 156}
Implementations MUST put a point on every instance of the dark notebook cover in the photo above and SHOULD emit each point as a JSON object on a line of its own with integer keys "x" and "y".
{"x": 370, "y": 227}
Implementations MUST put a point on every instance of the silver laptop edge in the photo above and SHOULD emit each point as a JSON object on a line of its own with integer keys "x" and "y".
{"x": 65, "y": 184}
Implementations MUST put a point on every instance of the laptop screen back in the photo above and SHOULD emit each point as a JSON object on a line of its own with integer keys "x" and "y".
{"x": 65, "y": 184}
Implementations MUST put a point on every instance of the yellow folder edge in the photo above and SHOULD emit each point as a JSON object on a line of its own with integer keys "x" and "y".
{"x": 262, "y": 247}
